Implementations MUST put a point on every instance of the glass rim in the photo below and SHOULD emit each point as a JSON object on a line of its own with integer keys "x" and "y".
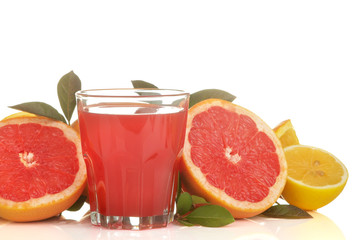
{"x": 96, "y": 94}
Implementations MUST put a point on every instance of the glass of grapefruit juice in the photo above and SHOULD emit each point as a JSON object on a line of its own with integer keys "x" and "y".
{"x": 132, "y": 140}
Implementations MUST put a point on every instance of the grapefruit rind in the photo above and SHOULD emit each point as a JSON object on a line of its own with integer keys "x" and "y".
{"x": 48, "y": 205}
{"x": 195, "y": 181}
{"x": 310, "y": 197}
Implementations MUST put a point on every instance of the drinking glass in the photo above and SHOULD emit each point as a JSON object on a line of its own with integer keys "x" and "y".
{"x": 132, "y": 140}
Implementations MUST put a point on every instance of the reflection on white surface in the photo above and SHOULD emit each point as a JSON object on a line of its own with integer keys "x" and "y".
{"x": 319, "y": 227}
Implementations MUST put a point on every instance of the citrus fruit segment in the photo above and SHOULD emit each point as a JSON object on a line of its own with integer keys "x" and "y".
{"x": 19, "y": 114}
{"x": 315, "y": 177}
{"x": 286, "y": 133}
{"x": 42, "y": 171}
{"x": 232, "y": 158}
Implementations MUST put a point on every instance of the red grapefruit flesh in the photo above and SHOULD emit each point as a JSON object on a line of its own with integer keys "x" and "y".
{"x": 42, "y": 171}
{"x": 232, "y": 158}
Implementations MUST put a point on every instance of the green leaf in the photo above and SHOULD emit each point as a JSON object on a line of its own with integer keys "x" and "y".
{"x": 286, "y": 211}
{"x": 41, "y": 109}
{"x": 185, "y": 223}
{"x": 184, "y": 203}
{"x": 210, "y": 216}
{"x": 142, "y": 84}
{"x": 210, "y": 93}
{"x": 198, "y": 200}
{"x": 178, "y": 192}
{"x": 78, "y": 204}
{"x": 67, "y": 86}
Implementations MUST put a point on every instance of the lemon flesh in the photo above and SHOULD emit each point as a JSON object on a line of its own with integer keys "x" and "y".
{"x": 315, "y": 177}
{"x": 286, "y": 134}
{"x": 18, "y": 115}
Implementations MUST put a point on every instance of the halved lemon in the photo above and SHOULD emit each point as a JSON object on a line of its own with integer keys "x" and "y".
{"x": 315, "y": 177}
{"x": 286, "y": 133}
{"x": 19, "y": 115}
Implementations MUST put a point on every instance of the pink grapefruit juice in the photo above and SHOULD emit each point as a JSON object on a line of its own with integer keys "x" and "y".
{"x": 132, "y": 154}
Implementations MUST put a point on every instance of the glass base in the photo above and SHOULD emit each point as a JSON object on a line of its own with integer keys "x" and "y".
{"x": 130, "y": 223}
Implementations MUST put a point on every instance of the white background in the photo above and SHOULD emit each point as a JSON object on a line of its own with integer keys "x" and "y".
{"x": 295, "y": 60}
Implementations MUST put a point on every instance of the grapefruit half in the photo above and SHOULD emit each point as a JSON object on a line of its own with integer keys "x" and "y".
{"x": 42, "y": 171}
{"x": 232, "y": 158}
